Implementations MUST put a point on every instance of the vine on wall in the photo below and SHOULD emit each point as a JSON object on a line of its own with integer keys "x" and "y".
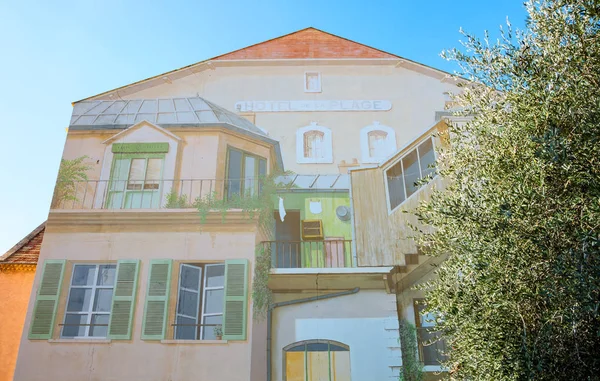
{"x": 412, "y": 367}
{"x": 259, "y": 205}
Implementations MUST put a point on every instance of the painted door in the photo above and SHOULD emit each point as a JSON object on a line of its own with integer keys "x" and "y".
{"x": 317, "y": 360}
{"x": 135, "y": 183}
{"x": 334, "y": 252}
{"x": 287, "y": 247}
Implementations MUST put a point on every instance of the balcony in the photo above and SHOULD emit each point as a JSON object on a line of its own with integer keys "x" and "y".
{"x": 334, "y": 253}
{"x": 155, "y": 194}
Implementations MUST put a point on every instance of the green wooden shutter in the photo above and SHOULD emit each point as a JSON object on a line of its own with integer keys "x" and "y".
{"x": 123, "y": 302}
{"x": 46, "y": 302}
{"x": 154, "y": 326}
{"x": 236, "y": 299}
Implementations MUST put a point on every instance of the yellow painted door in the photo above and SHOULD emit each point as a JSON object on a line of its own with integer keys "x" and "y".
{"x": 340, "y": 366}
{"x": 318, "y": 366}
{"x": 294, "y": 366}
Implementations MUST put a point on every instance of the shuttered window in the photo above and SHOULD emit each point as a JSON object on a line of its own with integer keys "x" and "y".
{"x": 154, "y": 325}
{"x": 46, "y": 303}
{"x": 236, "y": 299}
{"x": 123, "y": 301}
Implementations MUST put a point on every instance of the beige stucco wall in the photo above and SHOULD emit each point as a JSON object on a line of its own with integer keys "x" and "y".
{"x": 137, "y": 359}
{"x": 415, "y": 98}
{"x": 15, "y": 287}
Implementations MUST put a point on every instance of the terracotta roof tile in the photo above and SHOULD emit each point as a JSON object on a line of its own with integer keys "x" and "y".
{"x": 27, "y": 251}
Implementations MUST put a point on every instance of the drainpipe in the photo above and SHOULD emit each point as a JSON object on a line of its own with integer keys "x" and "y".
{"x": 352, "y": 226}
{"x": 290, "y": 302}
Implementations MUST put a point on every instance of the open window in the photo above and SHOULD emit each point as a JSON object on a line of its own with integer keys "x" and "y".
{"x": 404, "y": 176}
{"x": 314, "y": 144}
{"x": 245, "y": 173}
{"x": 377, "y": 143}
{"x": 323, "y": 360}
{"x": 431, "y": 347}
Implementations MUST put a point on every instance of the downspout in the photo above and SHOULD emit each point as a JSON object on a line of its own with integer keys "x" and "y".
{"x": 352, "y": 226}
{"x": 290, "y": 302}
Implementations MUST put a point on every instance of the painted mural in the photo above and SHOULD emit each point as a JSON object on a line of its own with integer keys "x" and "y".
{"x": 212, "y": 227}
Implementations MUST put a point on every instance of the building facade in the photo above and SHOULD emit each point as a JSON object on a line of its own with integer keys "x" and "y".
{"x": 242, "y": 218}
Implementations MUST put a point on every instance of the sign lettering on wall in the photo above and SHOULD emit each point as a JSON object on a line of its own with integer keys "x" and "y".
{"x": 304, "y": 106}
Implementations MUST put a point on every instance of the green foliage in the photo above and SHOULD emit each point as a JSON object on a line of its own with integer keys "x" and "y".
{"x": 412, "y": 367}
{"x": 519, "y": 295}
{"x": 255, "y": 205}
{"x": 70, "y": 173}
{"x": 175, "y": 201}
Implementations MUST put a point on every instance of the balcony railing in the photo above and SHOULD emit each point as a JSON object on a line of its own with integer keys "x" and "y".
{"x": 329, "y": 253}
{"x": 154, "y": 194}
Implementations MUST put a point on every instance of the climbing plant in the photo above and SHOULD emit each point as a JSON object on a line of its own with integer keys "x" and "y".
{"x": 69, "y": 173}
{"x": 258, "y": 204}
{"x": 412, "y": 367}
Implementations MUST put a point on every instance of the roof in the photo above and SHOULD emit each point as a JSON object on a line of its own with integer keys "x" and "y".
{"x": 27, "y": 251}
{"x": 194, "y": 111}
{"x": 311, "y": 183}
{"x": 307, "y": 43}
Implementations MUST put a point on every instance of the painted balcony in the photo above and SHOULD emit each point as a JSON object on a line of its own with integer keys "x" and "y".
{"x": 330, "y": 253}
{"x": 152, "y": 194}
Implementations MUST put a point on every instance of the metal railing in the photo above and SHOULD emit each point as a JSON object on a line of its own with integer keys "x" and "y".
{"x": 151, "y": 194}
{"x": 329, "y": 253}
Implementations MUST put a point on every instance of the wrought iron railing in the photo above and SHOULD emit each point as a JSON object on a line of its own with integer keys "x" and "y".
{"x": 328, "y": 253}
{"x": 151, "y": 194}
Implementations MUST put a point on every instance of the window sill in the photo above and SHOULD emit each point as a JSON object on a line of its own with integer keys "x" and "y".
{"x": 81, "y": 341}
{"x": 194, "y": 342}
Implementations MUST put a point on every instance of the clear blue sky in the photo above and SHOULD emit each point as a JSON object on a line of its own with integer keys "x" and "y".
{"x": 57, "y": 52}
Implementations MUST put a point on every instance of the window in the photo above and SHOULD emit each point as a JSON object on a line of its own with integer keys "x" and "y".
{"x": 314, "y": 144}
{"x": 311, "y": 360}
{"x": 199, "y": 301}
{"x": 87, "y": 313}
{"x": 244, "y": 172}
{"x": 135, "y": 181}
{"x": 377, "y": 143}
{"x": 403, "y": 176}
{"x": 431, "y": 347}
{"x": 312, "y": 82}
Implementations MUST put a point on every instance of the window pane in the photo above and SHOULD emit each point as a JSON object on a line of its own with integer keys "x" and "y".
{"x": 153, "y": 174}
{"x": 83, "y": 275}
{"x": 79, "y": 299}
{"x": 136, "y": 174}
{"x": 99, "y": 331}
{"x": 412, "y": 174}
{"x": 190, "y": 277}
{"x": 215, "y": 275}
{"x": 214, "y": 301}
{"x": 208, "y": 331}
{"x": 72, "y": 327}
{"x": 185, "y": 332}
{"x": 188, "y": 303}
{"x": 234, "y": 173}
{"x": 395, "y": 185}
{"x": 106, "y": 275}
{"x": 377, "y": 147}
{"x": 249, "y": 175}
{"x": 103, "y": 300}
{"x": 427, "y": 157}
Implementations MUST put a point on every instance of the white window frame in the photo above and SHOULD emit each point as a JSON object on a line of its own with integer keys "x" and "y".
{"x": 390, "y": 143}
{"x": 90, "y": 312}
{"x": 306, "y": 89}
{"x": 399, "y": 160}
{"x": 327, "y": 145}
{"x": 202, "y": 294}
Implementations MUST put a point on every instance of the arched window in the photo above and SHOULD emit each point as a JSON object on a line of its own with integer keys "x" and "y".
{"x": 377, "y": 142}
{"x": 316, "y": 360}
{"x": 314, "y": 144}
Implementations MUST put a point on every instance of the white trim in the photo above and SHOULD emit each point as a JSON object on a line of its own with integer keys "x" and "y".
{"x": 140, "y": 125}
{"x": 327, "y": 145}
{"x": 306, "y": 89}
{"x": 194, "y": 342}
{"x": 390, "y": 142}
{"x": 325, "y": 271}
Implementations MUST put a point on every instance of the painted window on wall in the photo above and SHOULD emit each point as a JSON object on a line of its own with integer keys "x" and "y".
{"x": 135, "y": 181}
{"x": 377, "y": 142}
{"x": 244, "y": 173}
{"x": 89, "y": 302}
{"x": 314, "y": 144}
{"x": 316, "y": 360}
{"x": 403, "y": 178}
{"x": 431, "y": 348}
{"x": 312, "y": 82}
{"x": 199, "y": 301}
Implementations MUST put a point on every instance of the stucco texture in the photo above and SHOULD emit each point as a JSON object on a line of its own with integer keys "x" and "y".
{"x": 15, "y": 288}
